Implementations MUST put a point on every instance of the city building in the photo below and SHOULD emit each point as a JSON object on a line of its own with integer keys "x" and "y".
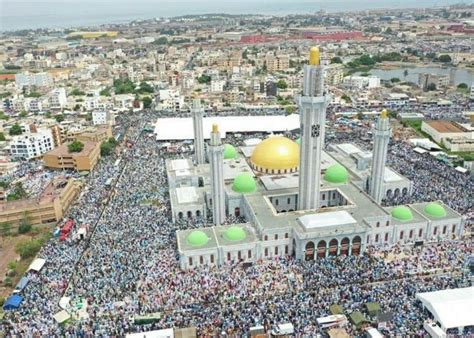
{"x": 334, "y": 74}
{"x": 31, "y": 145}
{"x": 48, "y": 207}
{"x": 27, "y": 79}
{"x": 100, "y": 117}
{"x": 452, "y": 135}
{"x": 58, "y": 99}
{"x": 277, "y": 63}
{"x": 362, "y": 82}
{"x": 61, "y": 158}
{"x": 425, "y": 80}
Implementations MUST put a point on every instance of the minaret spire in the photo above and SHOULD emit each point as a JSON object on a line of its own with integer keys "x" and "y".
{"x": 197, "y": 113}
{"x": 382, "y": 133}
{"x": 312, "y": 107}
{"x": 216, "y": 158}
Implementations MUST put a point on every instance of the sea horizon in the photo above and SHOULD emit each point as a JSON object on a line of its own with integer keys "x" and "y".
{"x": 57, "y": 14}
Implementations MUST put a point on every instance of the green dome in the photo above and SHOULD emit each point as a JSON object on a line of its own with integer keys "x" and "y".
{"x": 235, "y": 233}
{"x": 336, "y": 174}
{"x": 244, "y": 183}
{"x": 402, "y": 213}
{"x": 197, "y": 238}
{"x": 298, "y": 140}
{"x": 435, "y": 210}
{"x": 229, "y": 151}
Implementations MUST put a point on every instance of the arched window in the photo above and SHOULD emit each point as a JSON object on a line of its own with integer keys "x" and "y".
{"x": 276, "y": 236}
{"x": 239, "y": 255}
{"x": 454, "y": 229}
{"x": 228, "y": 256}
{"x": 286, "y": 249}
{"x": 401, "y": 234}
{"x": 388, "y": 223}
{"x": 435, "y": 231}
{"x": 212, "y": 258}
{"x": 201, "y": 260}
{"x": 445, "y": 228}
{"x": 249, "y": 254}
{"x": 265, "y": 237}
{"x": 276, "y": 250}
{"x": 386, "y": 237}
{"x": 190, "y": 261}
{"x": 377, "y": 225}
{"x": 411, "y": 234}
{"x": 266, "y": 252}
{"x": 376, "y": 238}
{"x": 420, "y": 232}
{"x": 286, "y": 235}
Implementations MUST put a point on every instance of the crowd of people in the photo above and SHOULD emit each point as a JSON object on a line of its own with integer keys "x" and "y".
{"x": 128, "y": 265}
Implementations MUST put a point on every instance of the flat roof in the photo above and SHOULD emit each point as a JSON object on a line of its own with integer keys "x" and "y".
{"x": 187, "y": 195}
{"x": 180, "y": 164}
{"x": 62, "y": 150}
{"x": 445, "y": 126}
{"x": 182, "y": 128}
{"x": 452, "y": 308}
{"x": 326, "y": 219}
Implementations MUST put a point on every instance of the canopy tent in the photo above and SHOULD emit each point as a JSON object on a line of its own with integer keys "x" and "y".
{"x": 336, "y": 309}
{"x": 461, "y": 170}
{"x": 452, "y": 308}
{"x": 21, "y": 284}
{"x": 62, "y": 316}
{"x": 373, "y": 309}
{"x": 37, "y": 264}
{"x": 357, "y": 318}
{"x": 337, "y": 333}
{"x": 12, "y": 303}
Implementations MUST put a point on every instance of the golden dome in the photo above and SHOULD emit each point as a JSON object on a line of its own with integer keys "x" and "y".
{"x": 276, "y": 155}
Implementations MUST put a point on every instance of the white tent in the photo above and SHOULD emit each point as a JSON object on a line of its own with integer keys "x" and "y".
{"x": 461, "y": 170}
{"x": 61, "y": 316}
{"x": 177, "y": 128}
{"x": 37, "y": 264}
{"x": 452, "y": 308}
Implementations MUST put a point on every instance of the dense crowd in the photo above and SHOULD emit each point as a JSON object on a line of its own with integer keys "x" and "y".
{"x": 128, "y": 265}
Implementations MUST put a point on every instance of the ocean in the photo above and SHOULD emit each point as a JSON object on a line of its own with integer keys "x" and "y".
{"x": 31, "y": 14}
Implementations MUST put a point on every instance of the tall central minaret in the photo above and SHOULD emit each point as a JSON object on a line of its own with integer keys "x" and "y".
{"x": 382, "y": 133}
{"x": 312, "y": 106}
{"x": 216, "y": 157}
{"x": 197, "y": 112}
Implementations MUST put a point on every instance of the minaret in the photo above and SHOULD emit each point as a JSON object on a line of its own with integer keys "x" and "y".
{"x": 382, "y": 133}
{"x": 197, "y": 112}
{"x": 216, "y": 157}
{"x": 312, "y": 107}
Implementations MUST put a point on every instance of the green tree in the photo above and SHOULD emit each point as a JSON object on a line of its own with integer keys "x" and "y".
{"x": 105, "y": 149}
{"x": 431, "y": 87}
{"x": 112, "y": 141}
{"x": 144, "y": 88}
{"x": 75, "y": 146}
{"x": 463, "y": 86}
{"x": 336, "y": 59}
{"x": 77, "y": 92}
{"x": 147, "y": 101}
{"x": 59, "y": 118}
{"x": 24, "y": 228}
{"x": 105, "y": 92}
{"x": 204, "y": 79}
{"x": 161, "y": 41}
{"x": 281, "y": 84}
{"x": 2, "y": 136}
{"x": 290, "y": 109}
{"x": 346, "y": 98}
{"x": 23, "y": 114}
{"x": 394, "y": 80}
{"x": 444, "y": 58}
{"x": 366, "y": 60}
{"x": 3, "y": 116}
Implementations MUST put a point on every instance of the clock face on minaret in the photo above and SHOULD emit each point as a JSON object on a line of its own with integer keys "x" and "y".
{"x": 315, "y": 130}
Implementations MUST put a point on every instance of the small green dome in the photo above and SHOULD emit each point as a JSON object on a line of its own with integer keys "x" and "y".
{"x": 435, "y": 210}
{"x": 235, "y": 233}
{"x": 244, "y": 183}
{"x": 197, "y": 238}
{"x": 298, "y": 140}
{"x": 229, "y": 151}
{"x": 336, "y": 174}
{"x": 402, "y": 213}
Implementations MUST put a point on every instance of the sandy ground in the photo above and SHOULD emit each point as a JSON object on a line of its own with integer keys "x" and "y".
{"x": 7, "y": 254}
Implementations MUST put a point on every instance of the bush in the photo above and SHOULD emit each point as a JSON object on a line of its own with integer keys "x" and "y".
{"x": 24, "y": 228}
{"x": 8, "y": 281}
{"x": 12, "y": 265}
{"x": 75, "y": 147}
{"x": 28, "y": 248}
{"x": 15, "y": 130}
{"x": 2, "y": 301}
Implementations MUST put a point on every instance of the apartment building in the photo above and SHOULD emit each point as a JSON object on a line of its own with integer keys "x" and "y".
{"x": 61, "y": 158}
{"x": 31, "y": 145}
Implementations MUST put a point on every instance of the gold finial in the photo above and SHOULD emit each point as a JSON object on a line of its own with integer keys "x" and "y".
{"x": 215, "y": 128}
{"x": 384, "y": 114}
{"x": 314, "y": 56}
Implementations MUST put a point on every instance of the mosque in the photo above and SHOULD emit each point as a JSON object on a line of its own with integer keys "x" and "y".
{"x": 296, "y": 199}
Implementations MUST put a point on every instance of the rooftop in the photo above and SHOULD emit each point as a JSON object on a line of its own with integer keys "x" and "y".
{"x": 445, "y": 126}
